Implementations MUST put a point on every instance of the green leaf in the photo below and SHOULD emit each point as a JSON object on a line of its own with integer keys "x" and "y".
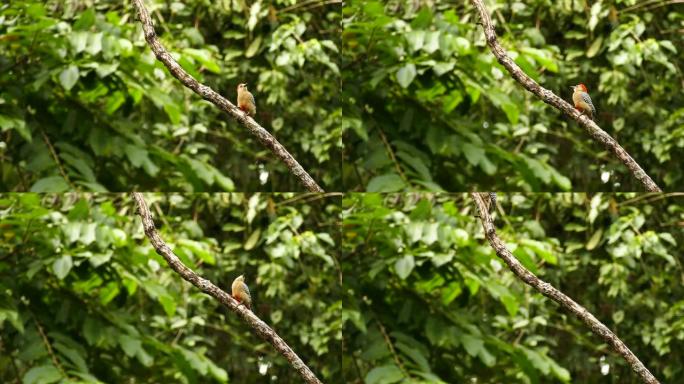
{"x": 252, "y": 240}
{"x": 404, "y": 265}
{"x": 253, "y": 47}
{"x": 129, "y": 344}
{"x": 406, "y": 74}
{"x": 472, "y": 344}
{"x": 74, "y": 355}
{"x": 414, "y": 231}
{"x": 431, "y": 42}
{"x": 390, "y": 182}
{"x": 103, "y": 69}
{"x": 86, "y": 20}
{"x": 69, "y": 76}
{"x": 451, "y": 292}
{"x": 62, "y": 266}
{"x": 511, "y": 111}
{"x": 109, "y": 292}
{"x": 385, "y": 374}
{"x": 595, "y": 46}
{"x": 114, "y": 101}
{"x": 417, "y": 165}
{"x": 595, "y": 239}
{"x": 174, "y": 112}
{"x": 204, "y": 57}
{"x": 94, "y": 43}
{"x": 13, "y": 317}
{"x": 36, "y": 10}
{"x": 138, "y": 156}
{"x": 473, "y": 153}
{"x": 594, "y": 16}
{"x": 443, "y": 67}
{"x": 415, "y": 354}
{"x": 43, "y": 374}
{"x": 19, "y": 125}
{"x": 511, "y": 304}
{"x": 452, "y": 100}
{"x": 415, "y": 40}
{"x": 169, "y": 304}
{"x": 543, "y": 57}
{"x": 78, "y": 41}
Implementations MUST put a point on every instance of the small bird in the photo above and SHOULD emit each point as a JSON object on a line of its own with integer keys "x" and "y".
{"x": 245, "y": 100}
{"x": 241, "y": 293}
{"x": 582, "y": 101}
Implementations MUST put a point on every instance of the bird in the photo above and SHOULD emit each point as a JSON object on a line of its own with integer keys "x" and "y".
{"x": 240, "y": 292}
{"x": 582, "y": 100}
{"x": 245, "y": 100}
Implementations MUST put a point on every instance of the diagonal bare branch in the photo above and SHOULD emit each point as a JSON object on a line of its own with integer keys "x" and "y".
{"x": 550, "y": 98}
{"x": 554, "y": 294}
{"x": 259, "y": 326}
{"x": 221, "y": 102}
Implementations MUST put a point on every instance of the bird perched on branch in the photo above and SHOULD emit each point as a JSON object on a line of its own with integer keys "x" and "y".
{"x": 245, "y": 100}
{"x": 582, "y": 101}
{"x": 240, "y": 292}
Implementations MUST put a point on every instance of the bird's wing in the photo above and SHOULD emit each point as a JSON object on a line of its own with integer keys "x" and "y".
{"x": 246, "y": 289}
{"x": 251, "y": 97}
{"x": 587, "y": 99}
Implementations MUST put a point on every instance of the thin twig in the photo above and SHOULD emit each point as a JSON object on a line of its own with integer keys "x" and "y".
{"x": 650, "y": 4}
{"x": 56, "y": 158}
{"x": 639, "y": 5}
{"x": 309, "y": 197}
{"x": 550, "y": 98}
{"x": 356, "y": 366}
{"x": 651, "y": 197}
{"x": 388, "y": 341}
{"x": 554, "y": 294}
{"x": 262, "y": 135}
{"x": 259, "y": 326}
{"x": 308, "y": 4}
{"x": 390, "y": 152}
{"x": 48, "y": 346}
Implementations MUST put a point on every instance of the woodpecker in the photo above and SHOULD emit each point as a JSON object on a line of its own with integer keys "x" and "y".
{"x": 582, "y": 100}
{"x": 240, "y": 292}
{"x": 245, "y": 100}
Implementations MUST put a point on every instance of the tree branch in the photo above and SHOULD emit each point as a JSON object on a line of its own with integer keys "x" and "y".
{"x": 206, "y": 286}
{"x": 550, "y": 98}
{"x": 221, "y": 102}
{"x": 554, "y": 294}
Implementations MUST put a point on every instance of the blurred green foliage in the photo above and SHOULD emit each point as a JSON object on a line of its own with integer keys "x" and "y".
{"x": 428, "y": 107}
{"x": 79, "y": 269}
{"x": 428, "y": 301}
{"x": 77, "y": 76}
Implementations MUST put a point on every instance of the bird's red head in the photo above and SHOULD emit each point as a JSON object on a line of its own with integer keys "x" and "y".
{"x": 582, "y": 87}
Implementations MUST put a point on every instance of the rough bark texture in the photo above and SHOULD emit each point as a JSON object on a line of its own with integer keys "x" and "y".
{"x": 550, "y": 98}
{"x": 221, "y": 102}
{"x": 206, "y": 286}
{"x": 554, "y": 294}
